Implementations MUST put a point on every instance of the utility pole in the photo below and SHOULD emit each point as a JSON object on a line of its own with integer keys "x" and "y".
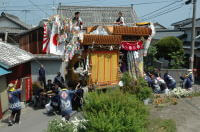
{"x": 193, "y": 35}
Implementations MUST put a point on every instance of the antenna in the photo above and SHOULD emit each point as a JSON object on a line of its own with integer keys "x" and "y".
{"x": 54, "y": 8}
{"x": 25, "y": 14}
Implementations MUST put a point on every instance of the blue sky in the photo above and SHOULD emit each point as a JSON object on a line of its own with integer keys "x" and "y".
{"x": 32, "y": 11}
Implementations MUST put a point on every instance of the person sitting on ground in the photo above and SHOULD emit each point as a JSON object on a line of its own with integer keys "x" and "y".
{"x": 148, "y": 79}
{"x": 59, "y": 80}
{"x": 49, "y": 85}
{"x": 120, "y": 19}
{"x": 155, "y": 84}
{"x": 37, "y": 101}
{"x": 170, "y": 81}
{"x": 15, "y": 104}
{"x": 187, "y": 82}
{"x": 55, "y": 100}
{"x": 77, "y": 100}
{"x": 161, "y": 83}
{"x": 54, "y": 103}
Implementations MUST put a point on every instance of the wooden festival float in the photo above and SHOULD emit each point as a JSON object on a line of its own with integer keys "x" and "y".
{"x": 107, "y": 48}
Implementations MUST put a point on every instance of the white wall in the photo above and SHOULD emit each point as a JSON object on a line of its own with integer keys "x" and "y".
{"x": 189, "y": 34}
{"x": 51, "y": 67}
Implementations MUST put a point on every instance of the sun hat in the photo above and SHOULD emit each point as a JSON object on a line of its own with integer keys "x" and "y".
{"x": 11, "y": 87}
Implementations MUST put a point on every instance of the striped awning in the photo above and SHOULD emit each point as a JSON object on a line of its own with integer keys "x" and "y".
{"x": 4, "y": 71}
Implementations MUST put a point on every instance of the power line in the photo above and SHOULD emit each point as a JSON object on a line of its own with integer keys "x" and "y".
{"x": 84, "y": 2}
{"x": 161, "y": 8}
{"x": 164, "y": 12}
{"x": 38, "y": 7}
{"x": 152, "y": 3}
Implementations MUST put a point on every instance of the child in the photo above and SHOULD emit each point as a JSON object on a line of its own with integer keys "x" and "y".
{"x": 15, "y": 104}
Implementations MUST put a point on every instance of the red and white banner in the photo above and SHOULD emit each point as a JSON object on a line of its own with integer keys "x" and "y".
{"x": 46, "y": 39}
{"x": 132, "y": 46}
{"x": 55, "y": 47}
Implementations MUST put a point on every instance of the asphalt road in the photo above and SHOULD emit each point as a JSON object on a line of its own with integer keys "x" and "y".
{"x": 31, "y": 121}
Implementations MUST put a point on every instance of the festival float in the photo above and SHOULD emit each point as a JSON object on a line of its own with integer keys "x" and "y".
{"x": 99, "y": 54}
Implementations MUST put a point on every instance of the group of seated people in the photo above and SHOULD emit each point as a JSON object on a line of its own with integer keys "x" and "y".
{"x": 56, "y": 97}
{"x": 65, "y": 100}
{"x": 163, "y": 85}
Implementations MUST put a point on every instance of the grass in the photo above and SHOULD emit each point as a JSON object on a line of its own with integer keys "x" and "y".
{"x": 195, "y": 94}
{"x": 162, "y": 125}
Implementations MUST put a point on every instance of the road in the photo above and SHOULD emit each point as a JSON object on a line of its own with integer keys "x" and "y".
{"x": 31, "y": 121}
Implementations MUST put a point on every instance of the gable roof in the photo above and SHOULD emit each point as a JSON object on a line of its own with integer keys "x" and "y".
{"x": 92, "y": 15}
{"x": 11, "y": 56}
{"x": 16, "y": 20}
{"x": 166, "y": 33}
{"x": 159, "y": 26}
{"x": 185, "y": 23}
{"x": 182, "y": 22}
{"x": 190, "y": 24}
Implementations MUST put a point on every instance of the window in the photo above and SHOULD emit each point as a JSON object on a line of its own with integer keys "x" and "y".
{"x": 198, "y": 33}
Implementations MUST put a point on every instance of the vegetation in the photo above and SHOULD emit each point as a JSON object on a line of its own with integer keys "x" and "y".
{"x": 150, "y": 59}
{"x": 114, "y": 111}
{"x": 137, "y": 87}
{"x": 171, "y": 49}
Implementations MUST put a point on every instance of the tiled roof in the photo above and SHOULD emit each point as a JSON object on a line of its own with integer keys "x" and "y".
{"x": 166, "y": 33}
{"x": 190, "y": 25}
{"x": 185, "y": 22}
{"x": 90, "y": 39}
{"x": 16, "y": 20}
{"x": 11, "y": 56}
{"x": 92, "y": 15}
{"x": 47, "y": 57}
{"x": 125, "y": 30}
{"x": 11, "y": 30}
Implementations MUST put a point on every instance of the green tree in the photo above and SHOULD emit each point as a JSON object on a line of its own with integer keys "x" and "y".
{"x": 150, "y": 58}
{"x": 177, "y": 59}
{"x": 171, "y": 49}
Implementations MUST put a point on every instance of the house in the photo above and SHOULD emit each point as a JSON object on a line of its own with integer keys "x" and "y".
{"x": 186, "y": 27}
{"x": 93, "y": 15}
{"x": 31, "y": 41}
{"x": 159, "y": 27}
{"x": 14, "y": 65}
{"x": 167, "y": 32}
{"x": 11, "y": 25}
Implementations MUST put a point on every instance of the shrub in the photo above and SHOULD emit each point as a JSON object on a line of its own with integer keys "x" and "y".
{"x": 114, "y": 111}
{"x": 138, "y": 87}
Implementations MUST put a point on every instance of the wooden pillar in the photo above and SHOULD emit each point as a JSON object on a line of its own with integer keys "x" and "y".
{"x": 28, "y": 43}
{"x": 1, "y": 113}
{"x": 6, "y": 37}
{"x": 38, "y": 51}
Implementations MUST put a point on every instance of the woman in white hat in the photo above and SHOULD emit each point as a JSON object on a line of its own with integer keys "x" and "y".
{"x": 15, "y": 104}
